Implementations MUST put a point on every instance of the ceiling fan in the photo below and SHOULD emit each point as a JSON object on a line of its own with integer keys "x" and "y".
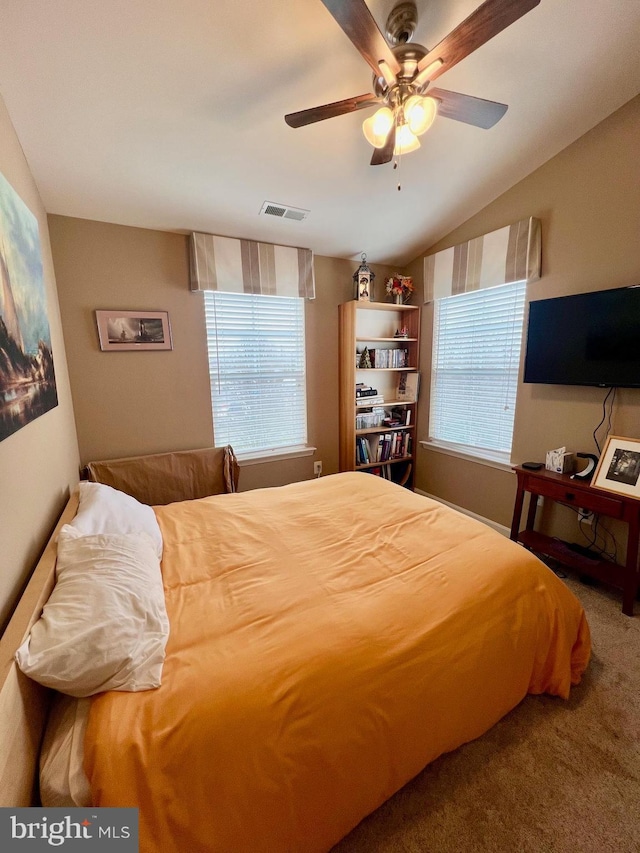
{"x": 403, "y": 73}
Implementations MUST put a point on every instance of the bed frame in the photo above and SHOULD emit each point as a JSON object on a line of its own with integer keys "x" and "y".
{"x": 24, "y": 703}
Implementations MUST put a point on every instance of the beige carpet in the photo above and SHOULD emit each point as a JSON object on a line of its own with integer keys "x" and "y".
{"x": 551, "y": 777}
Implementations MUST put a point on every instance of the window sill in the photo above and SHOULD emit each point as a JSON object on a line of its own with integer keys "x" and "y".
{"x": 277, "y": 455}
{"x": 467, "y": 456}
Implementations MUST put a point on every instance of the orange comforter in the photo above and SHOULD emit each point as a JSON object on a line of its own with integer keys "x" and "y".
{"x": 328, "y": 639}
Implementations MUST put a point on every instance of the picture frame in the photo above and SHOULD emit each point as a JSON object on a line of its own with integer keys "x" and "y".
{"x": 364, "y": 287}
{"x": 119, "y": 331}
{"x": 408, "y": 387}
{"x": 619, "y": 467}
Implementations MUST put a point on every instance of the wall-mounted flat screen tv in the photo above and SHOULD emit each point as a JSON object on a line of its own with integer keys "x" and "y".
{"x": 585, "y": 339}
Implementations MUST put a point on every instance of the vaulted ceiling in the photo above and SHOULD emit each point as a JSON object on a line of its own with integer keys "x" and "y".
{"x": 170, "y": 115}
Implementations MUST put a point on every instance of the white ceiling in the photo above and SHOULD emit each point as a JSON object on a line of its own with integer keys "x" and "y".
{"x": 169, "y": 114}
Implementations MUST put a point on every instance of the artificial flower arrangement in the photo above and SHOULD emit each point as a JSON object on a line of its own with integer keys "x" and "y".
{"x": 400, "y": 285}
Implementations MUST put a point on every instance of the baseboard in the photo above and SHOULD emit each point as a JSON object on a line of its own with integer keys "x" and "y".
{"x": 494, "y": 524}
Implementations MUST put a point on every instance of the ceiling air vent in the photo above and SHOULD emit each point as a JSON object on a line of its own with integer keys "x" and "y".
{"x": 283, "y": 211}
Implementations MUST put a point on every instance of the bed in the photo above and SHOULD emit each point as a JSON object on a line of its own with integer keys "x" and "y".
{"x": 328, "y": 639}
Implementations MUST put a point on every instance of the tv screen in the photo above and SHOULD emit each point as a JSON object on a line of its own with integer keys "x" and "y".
{"x": 585, "y": 339}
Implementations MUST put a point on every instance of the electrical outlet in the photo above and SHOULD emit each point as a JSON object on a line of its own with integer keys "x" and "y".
{"x": 317, "y": 468}
{"x": 585, "y": 516}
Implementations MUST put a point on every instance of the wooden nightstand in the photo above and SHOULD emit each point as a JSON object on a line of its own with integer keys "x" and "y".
{"x": 573, "y": 492}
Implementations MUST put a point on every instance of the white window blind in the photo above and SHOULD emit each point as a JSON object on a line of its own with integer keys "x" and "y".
{"x": 477, "y": 340}
{"x": 257, "y": 370}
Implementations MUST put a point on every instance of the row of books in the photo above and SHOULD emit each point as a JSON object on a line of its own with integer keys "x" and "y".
{"x": 386, "y": 472}
{"x": 386, "y": 446}
{"x": 382, "y": 358}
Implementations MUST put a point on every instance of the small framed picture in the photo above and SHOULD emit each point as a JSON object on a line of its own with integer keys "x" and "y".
{"x": 134, "y": 330}
{"x": 619, "y": 467}
{"x": 364, "y": 286}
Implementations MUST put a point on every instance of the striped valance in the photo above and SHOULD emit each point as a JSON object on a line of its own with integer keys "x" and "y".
{"x": 508, "y": 254}
{"x": 244, "y": 266}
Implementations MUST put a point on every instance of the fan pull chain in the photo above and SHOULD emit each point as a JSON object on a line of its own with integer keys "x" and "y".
{"x": 396, "y": 165}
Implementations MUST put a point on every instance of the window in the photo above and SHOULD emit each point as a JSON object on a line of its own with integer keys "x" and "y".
{"x": 477, "y": 339}
{"x": 257, "y": 371}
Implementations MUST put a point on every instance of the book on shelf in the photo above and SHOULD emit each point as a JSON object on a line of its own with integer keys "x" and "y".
{"x": 406, "y": 445}
{"x": 408, "y": 386}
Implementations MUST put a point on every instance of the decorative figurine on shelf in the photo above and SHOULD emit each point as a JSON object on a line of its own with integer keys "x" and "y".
{"x": 399, "y": 287}
{"x": 402, "y": 333}
{"x": 363, "y": 280}
{"x": 365, "y": 360}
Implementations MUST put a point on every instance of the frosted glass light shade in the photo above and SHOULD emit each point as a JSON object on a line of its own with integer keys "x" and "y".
{"x": 406, "y": 141}
{"x": 419, "y": 113}
{"x": 376, "y": 128}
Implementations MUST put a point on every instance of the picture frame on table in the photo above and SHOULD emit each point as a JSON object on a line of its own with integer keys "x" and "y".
{"x": 619, "y": 467}
{"x": 133, "y": 330}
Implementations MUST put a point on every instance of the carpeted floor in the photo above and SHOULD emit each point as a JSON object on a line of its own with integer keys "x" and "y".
{"x": 551, "y": 777}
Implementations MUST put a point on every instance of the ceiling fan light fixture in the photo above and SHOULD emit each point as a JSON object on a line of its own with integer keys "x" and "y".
{"x": 387, "y": 73}
{"x": 376, "y": 128}
{"x": 425, "y": 75}
{"x": 406, "y": 141}
{"x": 420, "y": 113}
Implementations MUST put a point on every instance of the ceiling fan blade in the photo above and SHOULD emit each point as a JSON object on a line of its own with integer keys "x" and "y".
{"x": 358, "y": 23}
{"x": 338, "y": 108}
{"x": 385, "y": 154}
{"x": 487, "y": 21}
{"x": 468, "y": 109}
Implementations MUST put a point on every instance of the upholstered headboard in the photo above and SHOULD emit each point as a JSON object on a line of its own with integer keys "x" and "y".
{"x": 162, "y": 478}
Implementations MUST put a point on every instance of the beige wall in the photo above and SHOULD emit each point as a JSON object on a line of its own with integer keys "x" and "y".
{"x": 588, "y": 202}
{"x": 129, "y": 403}
{"x": 39, "y": 463}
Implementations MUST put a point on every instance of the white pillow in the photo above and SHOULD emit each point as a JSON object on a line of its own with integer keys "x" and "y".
{"x": 106, "y": 510}
{"x": 105, "y": 625}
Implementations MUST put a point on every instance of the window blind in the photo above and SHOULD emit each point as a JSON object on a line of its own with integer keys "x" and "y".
{"x": 256, "y": 353}
{"x": 476, "y": 361}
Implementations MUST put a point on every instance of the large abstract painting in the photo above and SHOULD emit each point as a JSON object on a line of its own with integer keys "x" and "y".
{"x": 27, "y": 378}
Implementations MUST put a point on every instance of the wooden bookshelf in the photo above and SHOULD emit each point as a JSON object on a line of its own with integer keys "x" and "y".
{"x": 373, "y": 325}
